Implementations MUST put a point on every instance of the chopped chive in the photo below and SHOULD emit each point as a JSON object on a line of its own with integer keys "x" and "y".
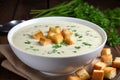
{"x": 87, "y": 44}
{"x": 80, "y": 36}
{"x": 76, "y": 34}
{"x": 27, "y": 42}
{"x": 57, "y": 26}
{"x": 75, "y": 51}
{"x": 57, "y": 46}
{"x": 74, "y": 30}
{"x": 77, "y": 47}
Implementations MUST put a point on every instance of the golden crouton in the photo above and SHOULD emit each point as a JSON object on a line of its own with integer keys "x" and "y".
{"x": 37, "y": 35}
{"x": 98, "y": 75}
{"x": 45, "y": 41}
{"x": 105, "y": 51}
{"x": 83, "y": 74}
{"x": 73, "y": 78}
{"x": 50, "y": 34}
{"x": 109, "y": 72}
{"x": 55, "y": 30}
{"x": 107, "y": 59}
{"x": 99, "y": 65}
{"x": 69, "y": 41}
{"x": 116, "y": 62}
{"x": 66, "y": 33}
{"x": 57, "y": 38}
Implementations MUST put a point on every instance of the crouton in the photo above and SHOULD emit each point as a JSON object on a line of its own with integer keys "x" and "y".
{"x": 73, "y": 77}
{"x": 50, "y": 34}
{"x": 107, "y": 59}
{"x": 37, "y": 35}
{"x": 105, "y": 51}
{"x": 98, "y": 75}
{"x": 45, "y": 41}
{"x": 69, "y": 41}
{"x": 55, "y": 30}
{"x": 57, "y": 38}
{"x": 66, "y": 33}
{"x": 99, "y": 65}
{"x": 116, "y": 62}
{"x": 109, "y": 72}
{"x": 83, "y": 74}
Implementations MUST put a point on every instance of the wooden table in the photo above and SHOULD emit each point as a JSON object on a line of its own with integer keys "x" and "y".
{"x": 20, "y": 9}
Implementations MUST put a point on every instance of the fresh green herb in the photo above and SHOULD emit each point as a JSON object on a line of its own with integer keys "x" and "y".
{"x": 77, "y": 47}
{"x": 57, "y": 46}
{"x": 63, "y": 43}
{"x": 80, "y": 36}
{"x": 108, "y": 19}
{"x": 57, "y": 26}
{"x": 27, "y": 42}
{"x": 35, "y": 49}
{"x": 53, "y": 51}
{"x": 87, "y": 44}
{"x": 76, "y": 34}
{"x": 75, "y": 51}
{"x": 74, "y": 30}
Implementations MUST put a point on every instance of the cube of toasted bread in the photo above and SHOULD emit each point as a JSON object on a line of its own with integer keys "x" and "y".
{"x": 116, "y": 62}
{"x": 50, "y": 34}
{"x": 107, "y": 59}
{"x": 73, "y": 77}
{"x": 99, "y": 65}
{"x": 98, "y": 75}
{"x": 109, "y": 72}
{"x": 37, "y": 35}
{"x": 105, "y": 51}
{"x": 57, "y": 38}
{"x": 45, "y": 41}
{"x": 55, "y": 29}
{"x": 83, "y": 74}
{"x": 69, "y": 41}
{"x": 66, "y": 33}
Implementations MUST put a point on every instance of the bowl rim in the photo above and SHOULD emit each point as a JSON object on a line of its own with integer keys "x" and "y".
{"x": 58, "y": 17}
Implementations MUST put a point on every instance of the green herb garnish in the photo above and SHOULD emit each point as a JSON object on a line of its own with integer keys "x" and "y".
{"x": 27, "y": 42}
{"x": 77, "y": 47}
{"x": 87, "y": 44}
{"x": 57, "y": 46}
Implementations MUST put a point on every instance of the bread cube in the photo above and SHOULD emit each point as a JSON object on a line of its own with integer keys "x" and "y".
{"x": 73, "y": 78}
{"x": 37, "y": 35}
{"x": 57, "y": 38}
{"x": 69, "y": 41}
{"x": 66, "y": 33}
{"x": 107, "y": 59}
{"x": 116, "y": 62}
{"x": 50, "y": 34}
{"x": 55, "y": 30}
{"x": 98, "y": 75}
{"x": 109, "y": 72}
{"x": 83, "y": 74}
{"x": 45, "y": 41}
{"x": 105, "y": 51}
{"x": 99, "y": 65}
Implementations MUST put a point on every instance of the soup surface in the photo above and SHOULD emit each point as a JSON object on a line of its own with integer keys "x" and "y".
{"x": 85, "y": 38}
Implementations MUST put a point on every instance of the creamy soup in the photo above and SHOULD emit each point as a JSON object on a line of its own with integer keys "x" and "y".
{"x": 85, "y": 38}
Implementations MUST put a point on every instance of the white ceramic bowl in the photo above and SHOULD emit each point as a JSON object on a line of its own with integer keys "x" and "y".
{"x": 56, "y": 65}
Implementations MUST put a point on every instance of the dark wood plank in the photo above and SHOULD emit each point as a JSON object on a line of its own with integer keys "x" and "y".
{"x": 104, "y": 4}
{"x": 7, "y": 10}
{"x": 25, "y": 6}
{"x": 53, "y": 3}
